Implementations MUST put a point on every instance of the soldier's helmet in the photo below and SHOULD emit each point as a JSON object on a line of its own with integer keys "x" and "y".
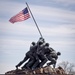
{"x": 58, "y": 53}
{"x": 40, "y": 42}
{"x": 41, "y": 39}
{"x": 33, "y": 43}
{"x": 47, "y": 44}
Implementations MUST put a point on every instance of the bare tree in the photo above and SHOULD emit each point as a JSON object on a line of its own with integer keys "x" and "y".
{"x": 67, "y": 66}
{"x": 70, "y": 69}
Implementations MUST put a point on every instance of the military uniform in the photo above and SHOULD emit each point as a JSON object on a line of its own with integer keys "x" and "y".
{"x": 53, "y": 56}
{"x": 29, "y": 55}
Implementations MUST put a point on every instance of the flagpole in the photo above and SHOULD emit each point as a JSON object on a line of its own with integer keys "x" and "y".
{"x": 34, "y": 20}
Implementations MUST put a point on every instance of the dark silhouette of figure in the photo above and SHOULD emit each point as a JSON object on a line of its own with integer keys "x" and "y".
{"x": 38, "y": 55}
{"x": 42, "y": 50}
{"x": 29, "y": 55}
{"x": 53, "y": 56}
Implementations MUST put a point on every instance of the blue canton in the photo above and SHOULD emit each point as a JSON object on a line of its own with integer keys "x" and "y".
{"x": 25, "y": 11}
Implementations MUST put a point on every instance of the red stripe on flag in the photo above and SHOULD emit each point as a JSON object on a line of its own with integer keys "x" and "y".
{"x": 21, "y": 16}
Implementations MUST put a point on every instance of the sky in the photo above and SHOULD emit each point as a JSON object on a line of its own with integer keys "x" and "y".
{"x": 55, "y": 19}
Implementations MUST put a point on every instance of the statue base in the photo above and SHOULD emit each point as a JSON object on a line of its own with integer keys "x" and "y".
{"x": 47, "y": 70}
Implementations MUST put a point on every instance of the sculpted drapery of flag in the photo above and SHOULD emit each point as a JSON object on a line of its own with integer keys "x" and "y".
{"x": 21, "y": 16}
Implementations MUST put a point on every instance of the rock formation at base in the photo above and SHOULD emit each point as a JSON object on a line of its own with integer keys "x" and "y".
{"x": 47, "y": 70}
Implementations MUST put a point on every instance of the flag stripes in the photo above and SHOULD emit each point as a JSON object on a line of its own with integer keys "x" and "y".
{"x": 21, "y": 16}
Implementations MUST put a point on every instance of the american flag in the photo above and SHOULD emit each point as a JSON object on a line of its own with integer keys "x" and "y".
{"x": 21, "y": 16}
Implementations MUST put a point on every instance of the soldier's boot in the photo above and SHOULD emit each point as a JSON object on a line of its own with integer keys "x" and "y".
{"x": 18, "y": 65}
{"x": 50, "y": 63}
{"x": 54, "y": 65}
{"x": 43, "y": 62}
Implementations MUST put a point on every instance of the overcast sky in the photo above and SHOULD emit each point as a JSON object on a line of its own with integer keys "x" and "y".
{"x": 56, "y": 20}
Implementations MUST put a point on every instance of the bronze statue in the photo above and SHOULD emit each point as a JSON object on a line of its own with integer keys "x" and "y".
{"x": 38, "y": 55}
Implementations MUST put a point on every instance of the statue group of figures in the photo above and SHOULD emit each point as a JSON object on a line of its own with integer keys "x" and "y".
{"x": 40, "y": 52}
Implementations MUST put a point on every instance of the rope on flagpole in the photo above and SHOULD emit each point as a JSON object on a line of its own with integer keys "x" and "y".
{"x": 34, "y": 20}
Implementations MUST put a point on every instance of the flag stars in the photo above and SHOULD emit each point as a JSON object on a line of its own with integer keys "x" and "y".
{"x": 25, "y": 11}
